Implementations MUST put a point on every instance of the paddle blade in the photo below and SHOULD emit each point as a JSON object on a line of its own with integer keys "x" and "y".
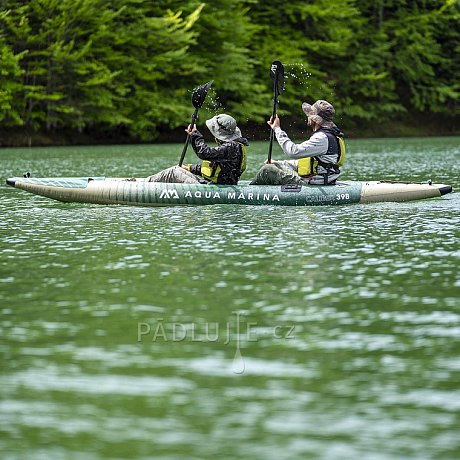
{"x": 199, "y": 94}
{"x": 277, "y": 76}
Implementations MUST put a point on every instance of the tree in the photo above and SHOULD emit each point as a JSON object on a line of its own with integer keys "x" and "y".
{"x": 130, "y": 65}
{"x": 85, "y": 64}
{"x": 10, "y": 86}
{"x": 314, "y": 41}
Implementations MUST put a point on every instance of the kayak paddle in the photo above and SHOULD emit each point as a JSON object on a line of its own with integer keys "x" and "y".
{"x": 277, "y": 80}
{"x": 198, "y": 97}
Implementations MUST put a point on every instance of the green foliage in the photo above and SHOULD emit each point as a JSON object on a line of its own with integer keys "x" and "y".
{"x": 86, "y": 64}
{"x": 223, "y": 53}
{"x": 313, "y": 39}
{"x": 10, "y": 86}
{"x": 412, "y": 44}
{"x": 130, "y": 65}
{"x": 418, "y": 54}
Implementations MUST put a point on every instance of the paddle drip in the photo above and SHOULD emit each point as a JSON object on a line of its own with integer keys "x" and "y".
{"x": 238, "y": 365}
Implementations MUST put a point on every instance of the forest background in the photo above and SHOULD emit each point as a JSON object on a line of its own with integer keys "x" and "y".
{"x": 98, "y": 71}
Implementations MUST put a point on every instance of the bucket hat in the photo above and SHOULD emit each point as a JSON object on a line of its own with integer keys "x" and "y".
{"x": 223, "y": 127}
{"x": 321, "y": 112}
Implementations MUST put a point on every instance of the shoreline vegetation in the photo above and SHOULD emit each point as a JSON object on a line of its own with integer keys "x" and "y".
{"x": 97, "y": 72}
{"x": 423, "y": 126}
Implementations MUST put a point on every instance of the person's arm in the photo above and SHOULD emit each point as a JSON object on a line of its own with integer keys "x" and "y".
{"x": 219, "y": 153}
{"x": 193, "y": 168}
{"x": 316, "y": 145}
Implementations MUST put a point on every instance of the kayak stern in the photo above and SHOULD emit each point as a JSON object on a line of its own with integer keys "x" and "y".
{"x": 379, "y": 191}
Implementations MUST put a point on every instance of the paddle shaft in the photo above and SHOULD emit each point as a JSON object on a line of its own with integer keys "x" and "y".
{"x": 187, "y": 141}
{"x": 272, "y": 133}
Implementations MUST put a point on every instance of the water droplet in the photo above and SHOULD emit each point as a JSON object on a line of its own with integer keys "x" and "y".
{"x": 238, "y": 365}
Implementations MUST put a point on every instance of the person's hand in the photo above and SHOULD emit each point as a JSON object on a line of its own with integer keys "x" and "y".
{"x": 274, "y": 122}
{"x": 190, "y": 129}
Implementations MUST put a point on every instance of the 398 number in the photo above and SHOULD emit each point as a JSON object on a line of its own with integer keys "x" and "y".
{"x": 342, "y": 196}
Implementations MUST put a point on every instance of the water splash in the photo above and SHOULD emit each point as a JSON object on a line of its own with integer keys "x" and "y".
{"x": 212, "y": 102}
{"x": 297, "y": 72}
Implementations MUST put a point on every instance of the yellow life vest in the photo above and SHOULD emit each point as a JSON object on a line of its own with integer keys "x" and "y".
{"x": 343, "y": 151}
{"x": 309, "y": 165}
{"x": 210, "y": 169}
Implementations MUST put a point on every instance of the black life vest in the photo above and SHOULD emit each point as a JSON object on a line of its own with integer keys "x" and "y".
{"x": 336, "y": 146}
{"x": 210, "y": 170}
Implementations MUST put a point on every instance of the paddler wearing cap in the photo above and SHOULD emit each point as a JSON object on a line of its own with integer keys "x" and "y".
{"x": 315, "y": 161}
{"x": 223, "y": 164}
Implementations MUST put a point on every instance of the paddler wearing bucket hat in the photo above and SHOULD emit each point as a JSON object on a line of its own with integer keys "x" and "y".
{"x": 315, "y": 161}
{"x": 223, "y": 164}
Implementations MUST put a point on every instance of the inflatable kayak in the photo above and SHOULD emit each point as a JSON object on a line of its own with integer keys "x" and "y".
{"x": 139, "y": 192}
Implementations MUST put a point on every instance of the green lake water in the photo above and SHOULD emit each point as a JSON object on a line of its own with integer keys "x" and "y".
{"x": 230, "y": 332}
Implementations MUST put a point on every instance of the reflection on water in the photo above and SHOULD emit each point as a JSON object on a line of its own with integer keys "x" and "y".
{"x": 241, "y": 332}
